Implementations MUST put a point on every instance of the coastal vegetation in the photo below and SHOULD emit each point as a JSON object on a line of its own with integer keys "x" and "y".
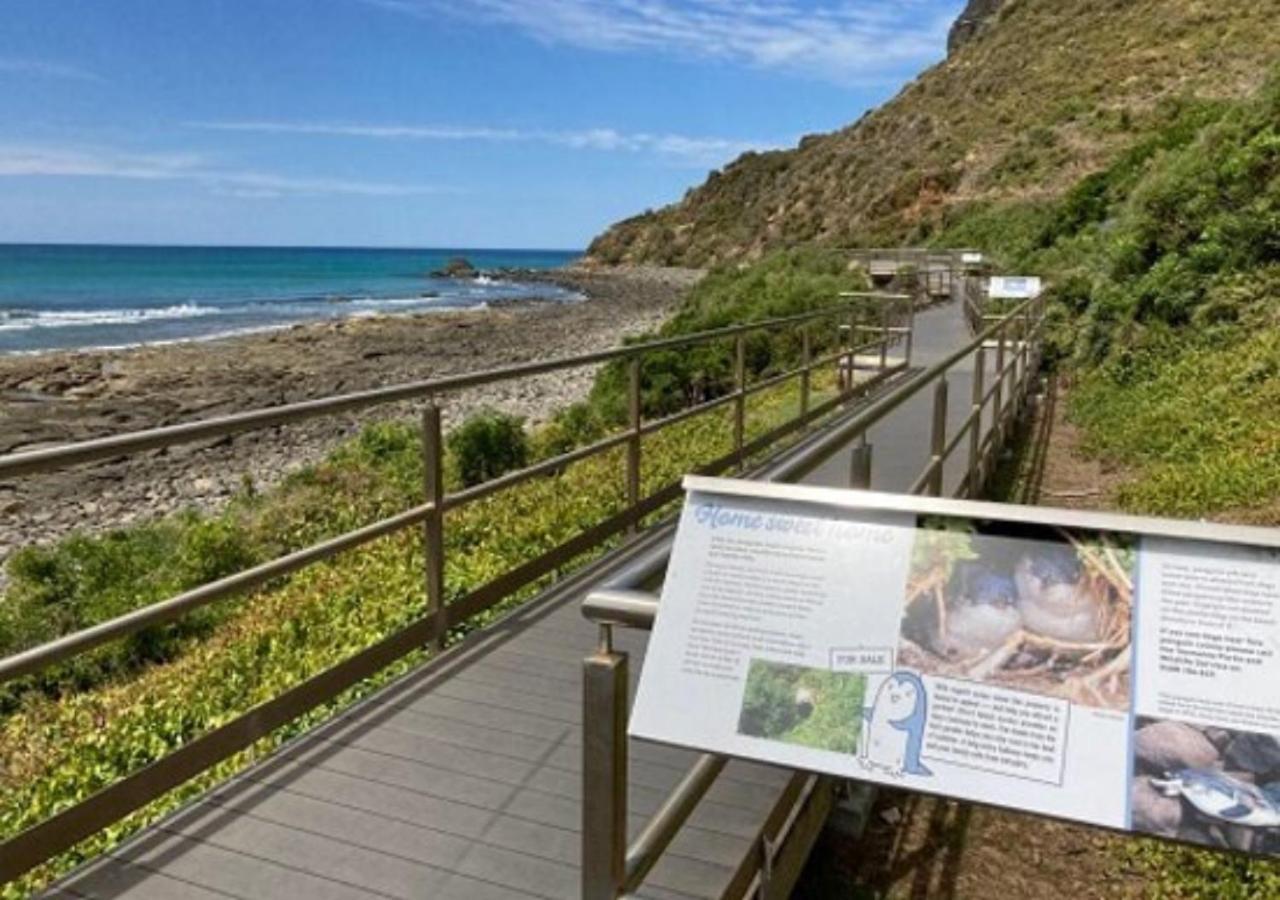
{"x": 1130, "y": 152}
{"x": 81, "y": 725}
{"x": 1164, "y": 271}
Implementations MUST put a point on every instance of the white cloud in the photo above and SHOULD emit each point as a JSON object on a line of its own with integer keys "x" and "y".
{"x": 675, "y": 148}
{"x": 839, "y": 40}
{"x": 18, "y": 160}
{"x": 44, "y": 68}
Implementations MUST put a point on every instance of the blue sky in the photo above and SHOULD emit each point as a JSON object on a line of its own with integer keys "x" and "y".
{"x": 501, "y": 123}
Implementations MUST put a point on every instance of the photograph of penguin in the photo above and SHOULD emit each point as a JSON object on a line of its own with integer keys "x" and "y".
{"x": 1030, "y": 606}
{"x": 981, "y": 613}
{"x": 1219, "y": 787}
{"x": 1053, "y": 598}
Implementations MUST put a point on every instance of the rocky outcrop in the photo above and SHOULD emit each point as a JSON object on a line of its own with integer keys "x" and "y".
{"x": 458, "y": 267}
{"x": 976, "y": 16}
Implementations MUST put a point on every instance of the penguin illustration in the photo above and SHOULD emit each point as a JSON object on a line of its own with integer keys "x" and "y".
{"x": 1052, "y": 598}
{"x": 895, "y": 726}
{"x": 982, "y": 613}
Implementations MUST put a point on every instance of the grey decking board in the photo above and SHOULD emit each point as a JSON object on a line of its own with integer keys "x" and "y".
{"x": 506, "y": 841}
{"x": 463, "y": 818}
{"x": 423, "y": 781}
{"x": 402, "y": 860}
{"x": 197, "y": 862}
{"x": 501, "y": 714}
{"x": 559, "y": 772}
{"x": 111, "y": 878}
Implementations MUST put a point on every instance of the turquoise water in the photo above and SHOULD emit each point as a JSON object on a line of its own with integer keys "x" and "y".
{"x": 64, "y": 297}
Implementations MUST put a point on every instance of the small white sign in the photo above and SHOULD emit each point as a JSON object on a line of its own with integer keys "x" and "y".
{"x": 1002, "y": 660}
{"x": 971, "y": 259}
{"x": 1014, "y": 287}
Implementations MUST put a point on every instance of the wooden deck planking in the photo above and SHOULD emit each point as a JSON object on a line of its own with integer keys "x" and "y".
{"x": 461, "y": 780}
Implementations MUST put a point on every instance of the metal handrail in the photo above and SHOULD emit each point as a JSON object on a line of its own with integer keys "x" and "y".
{"x": 78, "y": 642}
{"x": 65, "y": 828}
{"x": 610, "y": 869}
{"x": 44, "y": 655}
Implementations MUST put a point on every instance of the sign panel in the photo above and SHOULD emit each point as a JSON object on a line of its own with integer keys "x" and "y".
{"x": 1028, "y": 659}
{"x": 1010, "y": 287}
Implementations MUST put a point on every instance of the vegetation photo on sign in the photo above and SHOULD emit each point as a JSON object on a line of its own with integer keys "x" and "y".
{"x": 797, "y": 705}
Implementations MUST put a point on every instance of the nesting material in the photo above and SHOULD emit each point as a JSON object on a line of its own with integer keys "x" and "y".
{"x": 1030, "y": 608}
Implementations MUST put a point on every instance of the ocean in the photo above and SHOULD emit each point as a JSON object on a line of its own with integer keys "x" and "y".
{"x": 60, "y": 297}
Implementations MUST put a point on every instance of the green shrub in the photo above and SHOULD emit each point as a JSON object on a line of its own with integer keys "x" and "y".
{"x": 784, "y": 283}
{"x": 576, "y": 425}
{"x": 488, "y": 444}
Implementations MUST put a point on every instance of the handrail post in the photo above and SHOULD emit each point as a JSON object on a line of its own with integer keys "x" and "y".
{"x": 740, "y": 399}
{"x": 977, "y": 471}
{"x": 938, "y": 441}
{"x": 911, "y": 329}
{"x": 860, "y": 465}
{"x": 844, "y": 361}
{"x": 997, "y": 406}
{"x": 884, "y": 336}
{"x": 604, "y": 771}
{"x": 633, "y": 443}
{"x": 1026, "y": 357}
{"x": 806, "y": 371}
{"x": 433, "y": 524}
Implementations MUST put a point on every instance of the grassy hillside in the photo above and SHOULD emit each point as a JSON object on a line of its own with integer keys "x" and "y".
{"x": 1166, "y": 272}
{"x": 1165, "y": 268}
{"x": 1047, "y": 94}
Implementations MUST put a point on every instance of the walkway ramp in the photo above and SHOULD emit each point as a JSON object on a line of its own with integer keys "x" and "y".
{"x": 461, "y": 781}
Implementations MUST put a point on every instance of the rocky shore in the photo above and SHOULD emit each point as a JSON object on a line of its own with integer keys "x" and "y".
{"x": 55, "y": 398}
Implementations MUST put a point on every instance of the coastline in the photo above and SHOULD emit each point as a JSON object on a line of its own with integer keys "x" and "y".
{"x": 61, "y": 396}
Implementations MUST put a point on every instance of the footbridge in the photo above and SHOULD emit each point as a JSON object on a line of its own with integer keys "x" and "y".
{"x": 497, "y": 765}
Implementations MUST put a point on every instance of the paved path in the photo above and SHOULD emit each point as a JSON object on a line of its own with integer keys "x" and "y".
{"x": 462, "y": 780}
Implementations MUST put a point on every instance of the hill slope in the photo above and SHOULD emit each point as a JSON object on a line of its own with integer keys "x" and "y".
{"x": 1044, "y": 94}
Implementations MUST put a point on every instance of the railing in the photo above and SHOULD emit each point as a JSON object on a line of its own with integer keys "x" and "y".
{"x": 610, "y": 867}
{"x": 889, "y": 325}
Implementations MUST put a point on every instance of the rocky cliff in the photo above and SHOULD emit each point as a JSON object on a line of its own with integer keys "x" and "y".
{"x": 1036, "y": 95}
{"x": 976, "y": 16}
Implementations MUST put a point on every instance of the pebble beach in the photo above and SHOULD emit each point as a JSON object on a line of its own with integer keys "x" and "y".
{"x": 58, "y": 397}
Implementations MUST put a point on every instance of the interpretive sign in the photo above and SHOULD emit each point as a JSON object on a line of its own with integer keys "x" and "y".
{"x": 1117, "y": 671}
{"x": 1014, "y": 287}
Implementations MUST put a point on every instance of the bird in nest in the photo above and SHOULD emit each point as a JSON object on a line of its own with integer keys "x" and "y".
{"x": 981, "y": 613}
{"x": 1054, "y": 597}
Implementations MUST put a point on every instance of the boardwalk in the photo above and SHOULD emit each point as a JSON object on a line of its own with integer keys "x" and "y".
{"x": 462, "y": 779}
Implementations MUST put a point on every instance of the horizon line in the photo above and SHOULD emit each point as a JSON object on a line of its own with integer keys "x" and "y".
{"x": 204, "y": 246}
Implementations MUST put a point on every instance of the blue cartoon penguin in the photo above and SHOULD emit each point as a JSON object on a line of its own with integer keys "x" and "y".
{"x": 895, "y": 726}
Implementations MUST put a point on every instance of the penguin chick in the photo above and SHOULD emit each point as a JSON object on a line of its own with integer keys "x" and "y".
{"x": 981, "y": 615}
{"x": 1052, "y": 599}
{"x": 805, "y": 701}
